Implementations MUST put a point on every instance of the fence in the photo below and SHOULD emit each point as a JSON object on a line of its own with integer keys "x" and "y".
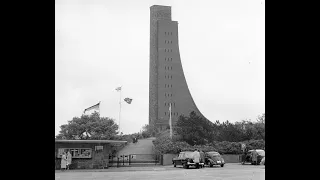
{"x": 134, "y": 159}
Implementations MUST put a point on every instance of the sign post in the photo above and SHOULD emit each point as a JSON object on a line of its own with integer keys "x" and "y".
{"x": 243, "y": 147}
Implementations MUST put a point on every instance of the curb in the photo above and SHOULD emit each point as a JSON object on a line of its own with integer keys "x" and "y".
{"x": 120, "y": 169}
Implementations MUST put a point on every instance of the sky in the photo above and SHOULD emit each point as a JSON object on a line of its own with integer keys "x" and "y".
{"x": 103, "y": 44}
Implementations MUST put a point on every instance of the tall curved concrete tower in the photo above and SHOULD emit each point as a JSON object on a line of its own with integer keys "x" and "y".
{"x": 167, "y": 83}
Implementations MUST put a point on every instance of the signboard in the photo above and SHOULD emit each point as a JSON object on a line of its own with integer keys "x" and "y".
{"x": 243, "y": 147}
{"x": 97, "y": 148}
{"x": 76, "y": 152}
{"x": 133, "y": 156}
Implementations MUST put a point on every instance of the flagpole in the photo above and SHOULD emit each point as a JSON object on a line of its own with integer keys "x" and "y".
{"x": 99, "y": 108}
{"x": 120, "y": 110}
{"x": 170, "y": 121}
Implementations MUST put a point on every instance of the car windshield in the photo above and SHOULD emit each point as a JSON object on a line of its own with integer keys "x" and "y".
{"x": 186, "y": 155}
{"x": 261, "y": 153}
{"x": 213, "y": 154}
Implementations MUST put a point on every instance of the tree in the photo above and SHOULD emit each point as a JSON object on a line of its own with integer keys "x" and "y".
{"x": 194, "y": 129}
{"x": 89, "y": 127}
{"x": 148, "y": 130}
{"x": 260, "y": 126}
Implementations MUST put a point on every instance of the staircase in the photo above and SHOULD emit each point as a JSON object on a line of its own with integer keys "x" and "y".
{"x": 141, "y": 153}
{"x": 143, "y": 146}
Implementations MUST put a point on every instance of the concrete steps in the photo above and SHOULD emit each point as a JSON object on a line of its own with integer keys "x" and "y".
{"x": 143, "y": 150}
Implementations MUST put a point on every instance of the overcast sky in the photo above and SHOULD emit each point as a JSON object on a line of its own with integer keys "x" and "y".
{"x": 103, "y": 44}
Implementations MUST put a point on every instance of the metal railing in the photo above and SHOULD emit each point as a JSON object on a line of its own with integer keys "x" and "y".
{"x": 134, "y": 159}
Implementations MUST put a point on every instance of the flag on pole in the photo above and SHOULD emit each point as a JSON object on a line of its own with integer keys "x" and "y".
{"x": 128, "y": 100}
{"x": 97, "y": 107}
{"x": 170, "y": 121}
{"x": 118, "y": 89}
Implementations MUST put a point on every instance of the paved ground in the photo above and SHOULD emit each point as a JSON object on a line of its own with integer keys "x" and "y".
{"x": 229, "y": 172}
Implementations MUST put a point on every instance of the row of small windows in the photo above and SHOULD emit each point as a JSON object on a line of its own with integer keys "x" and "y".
{"x": 168, "y": 94}
{"x": 167, "y": 50}
{"x": 173, "y": 114}
{"x": 168, "y": 42}
{"x": 168, "y": 76}
{"x": 168, "y": 104}
{"x": 168, "y": 67}
{"x": 167, "y": 33}
{"x": 168, "y": 59}
{"x": 168, "y": 85}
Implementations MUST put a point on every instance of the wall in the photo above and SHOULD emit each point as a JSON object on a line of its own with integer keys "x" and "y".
{"x": 156, "y": 13}
{"x": 167, "y": 159}
{"x": 98, "y": 158}
{"x": 231, "y": 158}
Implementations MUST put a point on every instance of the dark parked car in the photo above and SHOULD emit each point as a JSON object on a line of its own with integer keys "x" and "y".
{"x": 263, "y": 161}
{"x": 213, "y": 158}
{"x": 186, "y": 160}
{"x": 248, "y": 158}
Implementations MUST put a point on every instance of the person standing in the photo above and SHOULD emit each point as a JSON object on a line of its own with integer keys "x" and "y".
{"x": 69, "y": 159}
{"x": 63, "y": 161}
{"x": 254, "y": 157}
{"x": 196, "y": 158}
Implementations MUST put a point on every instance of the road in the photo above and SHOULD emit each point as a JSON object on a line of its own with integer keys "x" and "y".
{"x": 228, "y": 172}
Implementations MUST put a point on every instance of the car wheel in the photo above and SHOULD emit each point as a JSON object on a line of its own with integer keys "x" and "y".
{"x": 211, "y": 165}
{"x": 222, "y": 165}
{"x": 185, "y": 166}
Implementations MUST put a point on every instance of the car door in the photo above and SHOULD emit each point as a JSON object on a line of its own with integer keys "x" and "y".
{"x": 178, "y": 162}
{"x": 249, "y": 156}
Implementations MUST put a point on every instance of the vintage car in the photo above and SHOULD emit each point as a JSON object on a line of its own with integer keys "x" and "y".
{"x": 263, "y": 161}
{"x": 185, "y": 159}
{"x": 213, "y": 158}
{"x": 248, "y": 158}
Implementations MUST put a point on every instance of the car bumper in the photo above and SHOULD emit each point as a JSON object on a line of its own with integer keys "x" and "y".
{"x": 217, "y": 163}
{"x": 190, "y": 163}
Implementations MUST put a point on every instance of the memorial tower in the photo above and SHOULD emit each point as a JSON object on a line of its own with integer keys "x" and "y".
{"x": 167, "y": 83}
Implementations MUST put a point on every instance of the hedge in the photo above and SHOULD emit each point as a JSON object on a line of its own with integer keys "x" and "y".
{"x": 163, "y": 144}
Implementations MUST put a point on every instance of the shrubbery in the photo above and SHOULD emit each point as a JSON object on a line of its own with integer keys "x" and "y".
{"x": 197, "y": 130}
{"x": 163, "y": 145}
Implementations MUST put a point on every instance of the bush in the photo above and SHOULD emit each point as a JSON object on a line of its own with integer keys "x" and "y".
{"x": 163, "y": 144}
